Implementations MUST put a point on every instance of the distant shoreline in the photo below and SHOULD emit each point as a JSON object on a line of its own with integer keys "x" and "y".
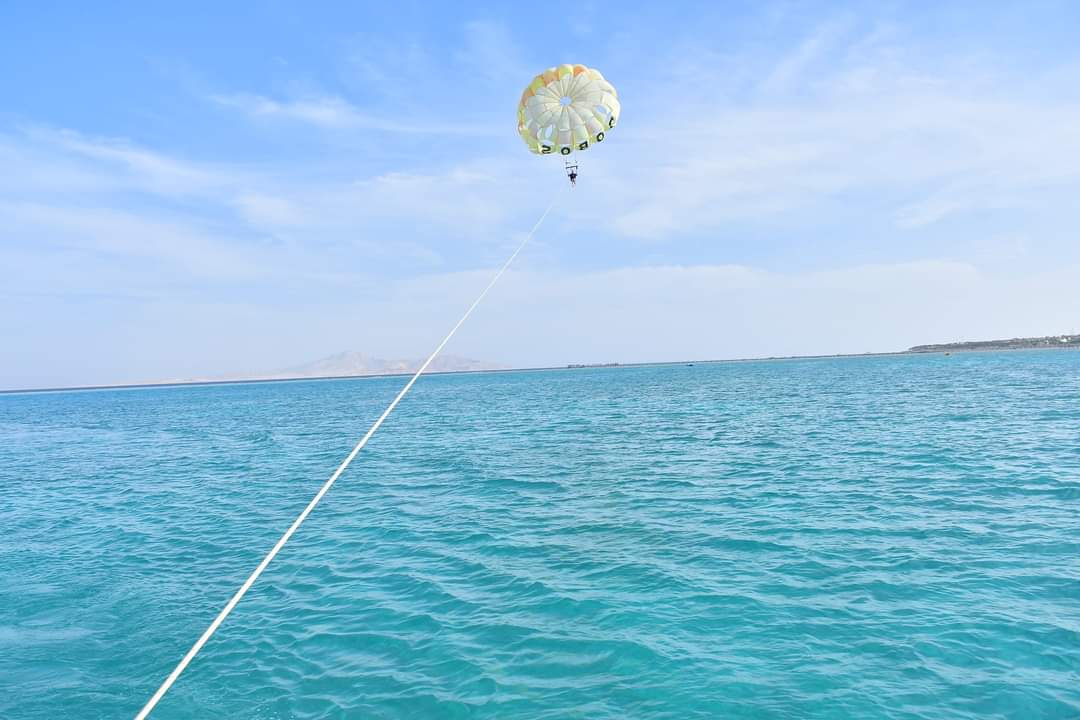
{"x": 947, "y": 350}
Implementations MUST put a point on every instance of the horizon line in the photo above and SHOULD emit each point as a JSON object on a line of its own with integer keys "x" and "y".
{"x": 538, "y": 368}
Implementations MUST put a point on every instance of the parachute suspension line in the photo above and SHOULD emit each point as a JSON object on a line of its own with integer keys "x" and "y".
{"x": 333, "y": 478}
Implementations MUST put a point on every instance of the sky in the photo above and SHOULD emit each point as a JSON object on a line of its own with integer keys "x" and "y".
{"x": 221, "y": 188}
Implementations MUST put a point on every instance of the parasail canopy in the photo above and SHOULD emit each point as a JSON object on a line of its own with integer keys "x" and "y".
{"x": 565, "y": 109}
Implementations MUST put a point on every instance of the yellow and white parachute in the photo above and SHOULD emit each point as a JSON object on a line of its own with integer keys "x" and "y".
{"x": 565, "y": 109}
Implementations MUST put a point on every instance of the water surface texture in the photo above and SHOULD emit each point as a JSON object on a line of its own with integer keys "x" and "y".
{"x": 893, "y": 537}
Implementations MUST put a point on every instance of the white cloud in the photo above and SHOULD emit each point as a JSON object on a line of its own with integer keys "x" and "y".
{"x": 673, "y": 313}
{"x": 332, "y": 112}
{"x": 851, "y": 132}
{"x": 335, "y": 113}
{"x": 72, "y": 189}
{"x": 142, "y": 168}
{"x": 555, "y": 317}
{"x": 945, "y": 152}
{"x": 265, "y": 210}
{"x": 121, "y": 239}
{"x": 845, "y": 111}
{"x": 41, "y": 161}
{"x": 794, "y": 67}
{"x": 490, "y": 51}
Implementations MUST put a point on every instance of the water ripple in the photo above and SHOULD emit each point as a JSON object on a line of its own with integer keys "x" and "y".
{"x": 851, "y": 538}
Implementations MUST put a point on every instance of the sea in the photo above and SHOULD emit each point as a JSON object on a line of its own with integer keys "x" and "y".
{"x": 870, "y": 537}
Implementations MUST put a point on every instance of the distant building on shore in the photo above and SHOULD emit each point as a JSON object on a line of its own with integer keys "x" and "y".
{"x": 1033, "y": 343}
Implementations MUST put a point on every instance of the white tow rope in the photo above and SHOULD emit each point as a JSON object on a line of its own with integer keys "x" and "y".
{"x": 333, "y": 478}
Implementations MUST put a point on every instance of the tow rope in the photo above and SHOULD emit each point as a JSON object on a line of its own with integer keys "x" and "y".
{"x": 333, "y": 478}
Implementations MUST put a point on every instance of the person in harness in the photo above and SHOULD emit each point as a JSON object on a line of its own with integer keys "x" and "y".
{"x": 571, "y": 172}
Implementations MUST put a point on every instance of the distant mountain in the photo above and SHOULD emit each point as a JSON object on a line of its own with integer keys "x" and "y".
{"x": 1049, "y": 341}
{"x": 346, "y": 364}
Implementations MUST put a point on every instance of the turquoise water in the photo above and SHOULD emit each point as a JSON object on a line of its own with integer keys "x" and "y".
{"x": 840, "y": 538}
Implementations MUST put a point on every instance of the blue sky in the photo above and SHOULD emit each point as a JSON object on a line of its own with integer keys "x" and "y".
{"x": 205, "y": 191}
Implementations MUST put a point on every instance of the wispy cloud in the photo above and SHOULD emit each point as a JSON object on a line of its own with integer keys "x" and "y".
{"x": 190, "y": 221}
{"x": 264, "y": 210}
{"x": 335, "y": 113}
{"x": 151, "y": 169}
{"x": 794, "y": 68}
{"x": 930, "y": 141}
{"x": 105, "y": 236}
{"x": 61, "y": 159}
{"x": 490, "y": 51}
{"x": 656, "y": 312}
{"x": 329, "y": 112}
{"x": 366, "y": 193}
